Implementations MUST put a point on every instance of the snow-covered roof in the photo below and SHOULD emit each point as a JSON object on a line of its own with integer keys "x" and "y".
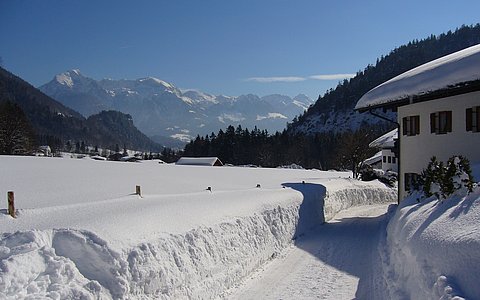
{"x": 443, "y": 73}
{"x": 386, "y": 140}
{"x": 374, "y": 159}
{"x": 200, "y": 161}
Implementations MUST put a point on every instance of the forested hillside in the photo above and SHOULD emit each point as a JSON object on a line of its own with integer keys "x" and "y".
{"x": 334, "y": 110}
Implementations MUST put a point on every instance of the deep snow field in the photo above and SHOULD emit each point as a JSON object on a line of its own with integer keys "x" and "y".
{"x": 82, "y": 233}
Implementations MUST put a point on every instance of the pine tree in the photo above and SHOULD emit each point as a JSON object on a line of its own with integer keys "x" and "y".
{"x": 16, "y": 133}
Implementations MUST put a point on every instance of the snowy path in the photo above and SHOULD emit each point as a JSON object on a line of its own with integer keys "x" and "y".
{"x": 337, "y": 260}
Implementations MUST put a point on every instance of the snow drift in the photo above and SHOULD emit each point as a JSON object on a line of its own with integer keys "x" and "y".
{"x": 432, "y": 248}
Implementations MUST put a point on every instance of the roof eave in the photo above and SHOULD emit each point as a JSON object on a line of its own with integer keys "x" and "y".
{"x": 458, "y": 89}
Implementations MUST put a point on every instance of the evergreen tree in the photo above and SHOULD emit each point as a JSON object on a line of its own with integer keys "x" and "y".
{"x": 16, "y": 133}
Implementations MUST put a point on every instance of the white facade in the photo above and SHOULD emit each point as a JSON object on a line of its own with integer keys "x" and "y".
{"x": 389, "y": 161}
{"x": 417, "y": 150}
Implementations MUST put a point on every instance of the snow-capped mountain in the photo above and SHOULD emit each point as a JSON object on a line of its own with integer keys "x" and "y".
{"x": 160, "y": 108}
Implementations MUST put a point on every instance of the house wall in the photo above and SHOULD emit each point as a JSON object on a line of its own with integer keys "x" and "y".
{"x": 386, "y": 166}
{"x": 417, "y": 150}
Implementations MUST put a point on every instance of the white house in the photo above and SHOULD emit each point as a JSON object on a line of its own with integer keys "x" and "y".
{"x": 387, "y": 158}
{"x": 199, "y": 161}
{"x": 438, "y": 107}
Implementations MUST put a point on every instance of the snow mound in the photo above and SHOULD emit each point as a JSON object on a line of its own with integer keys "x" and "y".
{"x": 432, "y": 248}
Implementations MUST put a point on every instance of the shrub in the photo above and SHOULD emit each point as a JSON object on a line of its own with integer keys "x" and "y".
{"x": 442, "y": 180}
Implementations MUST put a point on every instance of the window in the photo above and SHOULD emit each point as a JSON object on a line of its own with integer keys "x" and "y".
{"x": 384, "y": 159}
{"x": 411, "y": 181}
{"x": 473, "y": 119}
{"x": 389, "y": 159}
{"x": 411, "y": 125}
{"x": 394, "y": 160}
{"x": 441, "y": 122}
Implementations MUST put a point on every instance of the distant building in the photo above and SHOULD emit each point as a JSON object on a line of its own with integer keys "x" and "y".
{"x": 200, "y": 161}
{"x": 438, "y": 106}
{"x": 388, "y": 160}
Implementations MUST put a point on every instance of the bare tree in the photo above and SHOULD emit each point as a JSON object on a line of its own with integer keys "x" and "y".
{"x": 354, "y": 150}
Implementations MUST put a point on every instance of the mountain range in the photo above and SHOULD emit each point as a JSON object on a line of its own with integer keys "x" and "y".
{"x": 160, "y": 109}
{"x": 53, "y": 121}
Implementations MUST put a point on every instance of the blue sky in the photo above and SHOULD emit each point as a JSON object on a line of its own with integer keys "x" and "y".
{"x": 220, "y": 47}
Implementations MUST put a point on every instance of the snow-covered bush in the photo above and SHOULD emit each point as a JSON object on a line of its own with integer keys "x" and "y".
{"x": 367, "y": 173}
{"x": 442, "y": 180}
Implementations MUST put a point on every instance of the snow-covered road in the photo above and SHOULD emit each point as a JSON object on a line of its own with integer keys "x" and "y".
{"x": 337, "y": 260}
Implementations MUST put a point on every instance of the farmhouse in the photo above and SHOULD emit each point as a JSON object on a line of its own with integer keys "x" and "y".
{"x": 200, "y": 161}
{"x": 438, "y": 107}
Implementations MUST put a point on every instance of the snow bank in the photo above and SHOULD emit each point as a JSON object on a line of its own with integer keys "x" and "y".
{"x": 201, "y": 263}
{"x": 433, "y": 248}
{"x": 345, "y": 193}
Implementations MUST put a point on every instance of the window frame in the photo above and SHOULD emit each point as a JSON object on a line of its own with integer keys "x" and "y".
{"x": 411, "y": 125}
{"x": 441, "y": 122}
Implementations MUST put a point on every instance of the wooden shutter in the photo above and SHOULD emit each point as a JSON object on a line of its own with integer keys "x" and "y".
{"x": 449, "y": 121}
{"x": 476, "y": 125}
{"x": 404, "y": 123}
{"x": 432, "y": 123}
{"x": 468, "y": 119}
{"x": 417, "y": 124}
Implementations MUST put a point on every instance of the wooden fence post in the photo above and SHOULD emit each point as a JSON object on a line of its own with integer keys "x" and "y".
{"x": 11, "y": 204}
{"x": 138, "y": 190}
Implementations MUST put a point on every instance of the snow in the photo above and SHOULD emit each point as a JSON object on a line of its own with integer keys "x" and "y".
{"x": 271, "y": 116}
{"x": 64, "y": 79}
{"x": 333, "y": 261}
{"x": 377, "y": 157}
{"x": 432, "y": 248}
{"x": 81, "y": 232}
{"x": 157, "y": 81}
{"x": 445, "y": 72}
{"x": 235, "y": 117}
{"x": 181, "y": 137}
{"x": 385, "y": 141}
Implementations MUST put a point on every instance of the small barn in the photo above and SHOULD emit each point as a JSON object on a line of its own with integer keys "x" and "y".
{"x": 199, "y": 161}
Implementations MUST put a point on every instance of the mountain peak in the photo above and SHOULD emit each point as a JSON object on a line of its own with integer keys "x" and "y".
{"x": 66, "y": 78}
{"x": 156, "y": 81}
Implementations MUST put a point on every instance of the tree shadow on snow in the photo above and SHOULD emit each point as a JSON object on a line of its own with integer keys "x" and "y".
{"x": 349, "y": 244}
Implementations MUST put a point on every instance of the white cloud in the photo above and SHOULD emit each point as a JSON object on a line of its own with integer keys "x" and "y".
{"x": 276, "y": 79}
{"x": 332, "y": 76}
